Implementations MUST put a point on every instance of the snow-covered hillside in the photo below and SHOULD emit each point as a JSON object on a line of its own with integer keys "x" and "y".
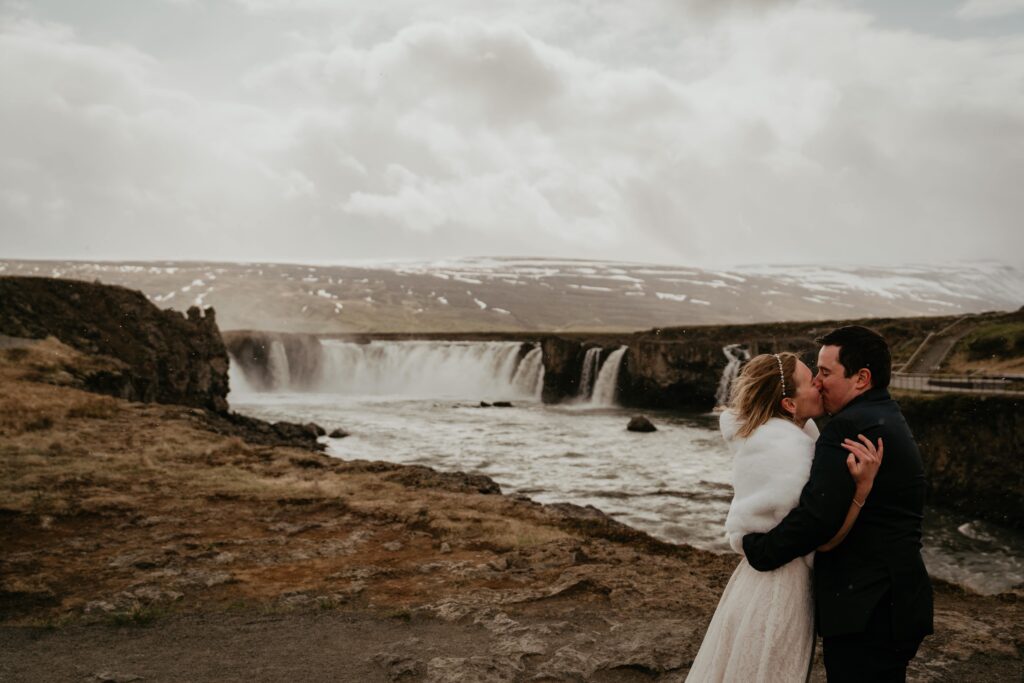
{"x": 543, "y": 294}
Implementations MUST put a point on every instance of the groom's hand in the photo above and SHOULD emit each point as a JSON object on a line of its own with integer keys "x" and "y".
{"x": 754, "y": 558}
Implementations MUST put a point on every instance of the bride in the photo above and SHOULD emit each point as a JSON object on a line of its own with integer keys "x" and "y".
{"x": 763, "y": 629}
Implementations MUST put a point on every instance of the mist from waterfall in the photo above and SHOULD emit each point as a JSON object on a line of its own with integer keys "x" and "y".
{"x": 237, "y": 381}
{"x": 606, "y": 386}
{"x": 426, "y": 369}
{"x": 737, "y": 355}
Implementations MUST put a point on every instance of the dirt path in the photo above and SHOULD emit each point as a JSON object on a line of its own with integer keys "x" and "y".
{"x": 565, "y": 640}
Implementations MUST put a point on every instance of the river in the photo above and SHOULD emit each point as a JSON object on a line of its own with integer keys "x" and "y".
{"x": 672, "y": 483}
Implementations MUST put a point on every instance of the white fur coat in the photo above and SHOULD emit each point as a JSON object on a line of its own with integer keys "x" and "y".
{"x": 770, "y": 468}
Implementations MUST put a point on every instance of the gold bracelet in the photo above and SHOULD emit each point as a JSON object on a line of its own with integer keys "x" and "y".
{"x": 860, "y": 505}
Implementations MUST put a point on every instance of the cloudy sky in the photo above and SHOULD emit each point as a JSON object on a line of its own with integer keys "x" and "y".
{"x": 701, "y": 132}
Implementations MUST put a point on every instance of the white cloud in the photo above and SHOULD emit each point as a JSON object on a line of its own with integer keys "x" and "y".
{"x": 742, "y": 132}
{"x": 988, "y": 9}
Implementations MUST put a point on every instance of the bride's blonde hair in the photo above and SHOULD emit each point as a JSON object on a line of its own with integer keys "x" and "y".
{"x": 758, "y": 392}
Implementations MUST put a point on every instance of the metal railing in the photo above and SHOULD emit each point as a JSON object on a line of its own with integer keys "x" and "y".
{"x": 964, "y": 384}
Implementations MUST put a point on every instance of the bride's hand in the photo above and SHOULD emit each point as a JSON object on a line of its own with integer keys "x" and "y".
{"x": 863, "y": 461}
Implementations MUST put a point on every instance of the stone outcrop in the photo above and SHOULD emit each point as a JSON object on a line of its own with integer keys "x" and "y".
{"x": 973, "y": 452}
{"x": 157, "y": 355}
{"x": 671, "y": 374}
{"x": 563, "y": 359}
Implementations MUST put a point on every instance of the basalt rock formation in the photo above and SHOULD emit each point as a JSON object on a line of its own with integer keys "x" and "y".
{"x": 562, "y": 361}
{"x": 668, "y": 374}
{"x": 156, "y": 355}
{"x": 972, "y": 448}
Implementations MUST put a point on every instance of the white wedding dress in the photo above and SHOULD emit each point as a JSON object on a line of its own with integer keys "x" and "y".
{"x": 763, "y": 629}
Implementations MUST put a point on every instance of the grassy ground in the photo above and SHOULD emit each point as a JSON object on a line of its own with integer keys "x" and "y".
{"x": 994, "y": 347}
{"x": 138, "y": 541}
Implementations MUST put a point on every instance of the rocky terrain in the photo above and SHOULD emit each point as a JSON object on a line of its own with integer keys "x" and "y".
{"x": 971, "y": 447}
{"x": 142, "y": 352}
{"x": 164, "y": 542}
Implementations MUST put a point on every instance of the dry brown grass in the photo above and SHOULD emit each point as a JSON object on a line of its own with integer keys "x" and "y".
{"x": 94, "y": 408}
{"x": 960, "y": 363}
{"x": 91, "y": 480}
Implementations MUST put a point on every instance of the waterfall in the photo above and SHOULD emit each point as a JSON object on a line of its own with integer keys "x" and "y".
{"x": 419, "y": 369}
{"x": 607, "y": 384}
{"x": 237, "y": 382}
{"x": 529, "y": 377}
{"x": 591, "y": 363}
{"x": 277, "y": 366}
{"x": 737, "y": 355}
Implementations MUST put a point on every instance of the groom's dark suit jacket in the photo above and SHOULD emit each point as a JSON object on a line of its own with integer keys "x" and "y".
{"x": 880, "y": 559}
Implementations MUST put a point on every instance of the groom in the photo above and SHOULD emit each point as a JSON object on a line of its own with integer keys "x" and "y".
{"x": 872, "y": 596}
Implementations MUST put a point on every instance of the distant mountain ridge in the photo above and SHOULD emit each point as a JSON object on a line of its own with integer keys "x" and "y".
{"x": 506, "y": 294}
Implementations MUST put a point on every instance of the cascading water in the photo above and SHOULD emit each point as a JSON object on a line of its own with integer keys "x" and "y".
{"x": 591, "y": 365}
{"x": 277, "y": 366}
{"x": 737, "y": 355}
{"x": 529, "y": 377}
{"x": 237, "y": 382}
{"x": 425, "y": 369}
{"x": 606, "y": 386}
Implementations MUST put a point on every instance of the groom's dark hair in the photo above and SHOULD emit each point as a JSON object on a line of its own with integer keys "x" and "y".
{"x": 860, "y": 347}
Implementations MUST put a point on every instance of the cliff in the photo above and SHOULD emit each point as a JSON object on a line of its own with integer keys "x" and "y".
{"x": 973, "y": 452}
{"x": 151, "y": 355}
{"x": 680, "y": 367}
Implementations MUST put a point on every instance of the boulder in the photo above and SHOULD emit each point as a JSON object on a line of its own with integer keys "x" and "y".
{"x": 639, "y": 423}
{"x": 338, "y": 433}
{"x": 299, "y": 432}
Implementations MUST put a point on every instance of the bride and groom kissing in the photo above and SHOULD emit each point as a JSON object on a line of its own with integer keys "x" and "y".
{"x": 829, "y": 524}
